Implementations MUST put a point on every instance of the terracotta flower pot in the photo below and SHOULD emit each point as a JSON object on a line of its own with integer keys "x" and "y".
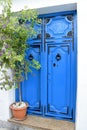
{"x": 19, "y": 113}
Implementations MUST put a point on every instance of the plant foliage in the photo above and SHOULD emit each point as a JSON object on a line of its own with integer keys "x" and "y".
{"x": 14, "y": 31}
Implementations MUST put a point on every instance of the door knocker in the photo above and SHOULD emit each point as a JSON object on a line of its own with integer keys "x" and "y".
{"x": 58, "y": 57}
{"x": 30, "y": 57}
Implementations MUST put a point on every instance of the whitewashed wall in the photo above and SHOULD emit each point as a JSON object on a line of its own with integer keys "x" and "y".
{"x": 81, "y": 114}
{"x": 6, "y": 98}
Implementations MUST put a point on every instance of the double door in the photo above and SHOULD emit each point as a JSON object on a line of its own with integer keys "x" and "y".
{"x": 50, "y": 91}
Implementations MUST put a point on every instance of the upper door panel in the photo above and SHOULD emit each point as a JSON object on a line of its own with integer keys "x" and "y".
{"x": 58, "y": 27}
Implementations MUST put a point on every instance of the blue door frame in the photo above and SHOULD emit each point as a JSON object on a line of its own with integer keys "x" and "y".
{"x": 51, "y": 91}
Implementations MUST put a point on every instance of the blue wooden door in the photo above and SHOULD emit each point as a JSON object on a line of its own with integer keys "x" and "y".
{"x": 58, "y": 87}
{"x": 51, "y": 91}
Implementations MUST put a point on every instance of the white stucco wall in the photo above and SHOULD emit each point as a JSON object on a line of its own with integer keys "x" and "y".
{"x": 81, "y": 113}
{"x": 81, "y": 123}
{"x": 6, "y": 98}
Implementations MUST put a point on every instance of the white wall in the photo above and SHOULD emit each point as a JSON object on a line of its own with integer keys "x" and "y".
{"x": 81, "y": 114}
{"x": 81, "y": 123}
{"x": 17, "y": 5}
{"x": 6, "y": 98}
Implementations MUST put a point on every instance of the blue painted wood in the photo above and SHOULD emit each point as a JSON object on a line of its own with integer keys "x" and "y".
{"x": 58, "y": 89}
{"x": 58, "y": 26}
{"x": 31, "y": 87}
{"x": 51, "y": 91}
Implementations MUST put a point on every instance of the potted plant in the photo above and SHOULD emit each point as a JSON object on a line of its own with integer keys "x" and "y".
{"x": 15, "y": 29}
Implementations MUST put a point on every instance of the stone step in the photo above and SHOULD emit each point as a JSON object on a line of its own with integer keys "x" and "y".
{"x": 40, "y": 123}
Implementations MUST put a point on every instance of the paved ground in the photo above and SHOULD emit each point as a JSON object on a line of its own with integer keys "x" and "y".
{"x": 3, "y": 129}
{"x": 11, "y": 126}
{"x": 16, "y": 128}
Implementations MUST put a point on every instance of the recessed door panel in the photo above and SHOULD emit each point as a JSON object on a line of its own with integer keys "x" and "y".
{"x": 59, "y": 26}
{"x": 58, "y": 89}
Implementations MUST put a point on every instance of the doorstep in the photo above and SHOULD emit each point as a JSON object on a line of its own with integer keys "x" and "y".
{"x": 40, "y": 123}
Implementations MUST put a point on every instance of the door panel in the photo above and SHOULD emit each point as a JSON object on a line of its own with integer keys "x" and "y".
{"x": 32, "y": 91}
{"x": 59, "y": 26}
{"x": 58, "y": 88}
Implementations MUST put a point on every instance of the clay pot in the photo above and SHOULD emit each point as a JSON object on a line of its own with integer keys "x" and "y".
{"x": 19, "y": 113}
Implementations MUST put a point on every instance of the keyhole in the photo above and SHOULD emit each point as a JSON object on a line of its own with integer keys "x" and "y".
{"x": 54, "y": 64}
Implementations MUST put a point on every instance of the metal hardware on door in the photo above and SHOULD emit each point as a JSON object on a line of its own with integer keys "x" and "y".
{"x": 30, "y": 57}
{"x": 58, "y": 57}
{"x": 54, "y": 65}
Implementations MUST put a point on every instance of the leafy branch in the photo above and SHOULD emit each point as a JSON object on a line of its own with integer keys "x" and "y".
{"x": 14, "y": 31}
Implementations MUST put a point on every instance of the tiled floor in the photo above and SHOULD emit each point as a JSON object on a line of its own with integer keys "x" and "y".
{"x": 39, "y": 123}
